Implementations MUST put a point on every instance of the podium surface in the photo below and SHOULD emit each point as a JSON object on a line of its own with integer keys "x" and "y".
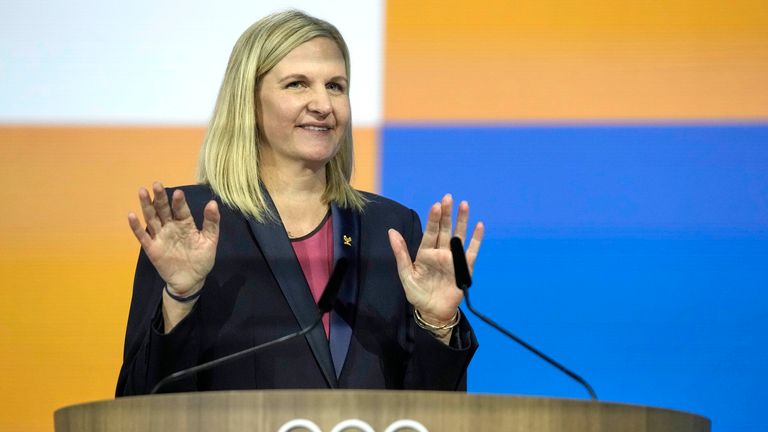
{"x": 328, "y": 410}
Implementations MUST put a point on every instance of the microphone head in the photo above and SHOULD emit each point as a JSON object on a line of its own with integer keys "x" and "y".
{"x": 460, "y": 268}
{"x": 331, "y": 291}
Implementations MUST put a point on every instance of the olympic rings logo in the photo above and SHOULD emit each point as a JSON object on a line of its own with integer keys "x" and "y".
{"x": 351, "y": 424}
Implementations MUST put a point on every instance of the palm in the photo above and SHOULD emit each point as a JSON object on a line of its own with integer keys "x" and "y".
{"x": 182, "y": 255}
{"x": 429, "y": 282}
{"x": 432, "y": 284}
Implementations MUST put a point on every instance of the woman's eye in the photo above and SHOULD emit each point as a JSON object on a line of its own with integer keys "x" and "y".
{"x": 335, "y": 87}
{"x": 295, "y": 84}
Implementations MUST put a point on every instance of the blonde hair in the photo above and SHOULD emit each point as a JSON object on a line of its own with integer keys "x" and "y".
{"x": 229, "y": 156}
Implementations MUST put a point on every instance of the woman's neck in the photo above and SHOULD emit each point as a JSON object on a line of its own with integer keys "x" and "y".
{"x": 298, "y": 197}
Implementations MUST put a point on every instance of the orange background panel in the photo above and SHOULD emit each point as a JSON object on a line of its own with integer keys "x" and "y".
{"x": 67, "y": 254}
{"x": 542, "y": 60}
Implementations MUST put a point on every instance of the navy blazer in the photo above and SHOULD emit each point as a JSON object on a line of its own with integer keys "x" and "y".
{"x": 256, "y": 292}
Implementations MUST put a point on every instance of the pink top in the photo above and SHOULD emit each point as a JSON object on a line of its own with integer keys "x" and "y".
{"x": 315, "y": 254}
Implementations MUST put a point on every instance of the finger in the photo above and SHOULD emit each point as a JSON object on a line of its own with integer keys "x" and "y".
{"x": 162, "y": 208}
{"x": 211, "y": 218}
{"x": 429, "y": 239}
{"x": 399, "y": 248}
{"x": 474, "y": 245}
{"x": 148, "y": 211}
{"x": 461, "y": 221}
{"x": 138, "y": 231}
{"x": 180, "y": 206}
{"x": 446, "y": 213}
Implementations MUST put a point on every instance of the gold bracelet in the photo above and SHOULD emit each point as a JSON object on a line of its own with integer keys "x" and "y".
{"x": 431, "y": 327}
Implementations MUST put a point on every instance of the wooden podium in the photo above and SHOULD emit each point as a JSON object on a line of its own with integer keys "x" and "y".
{"x": 332, "y": 410}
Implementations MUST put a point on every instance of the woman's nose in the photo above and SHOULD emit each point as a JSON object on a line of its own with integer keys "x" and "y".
{"x": 320, "y": 102}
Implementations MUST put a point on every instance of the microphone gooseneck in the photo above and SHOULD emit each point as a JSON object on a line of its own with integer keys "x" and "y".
{"x": 325, "y": 304}
{"x": 464, "y": 281}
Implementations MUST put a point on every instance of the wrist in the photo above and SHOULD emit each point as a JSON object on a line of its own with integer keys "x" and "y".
{"x": 184, "y": 296}
{"x": 435, "y": 324}
{"x": 174, "y": 311}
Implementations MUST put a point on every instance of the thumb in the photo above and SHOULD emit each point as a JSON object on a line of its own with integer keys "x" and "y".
{"x": 399, "y": 248}
{"x": 211, "y": 218}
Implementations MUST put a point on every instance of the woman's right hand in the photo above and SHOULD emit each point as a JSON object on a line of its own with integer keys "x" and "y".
{"x": 181, "y": 254}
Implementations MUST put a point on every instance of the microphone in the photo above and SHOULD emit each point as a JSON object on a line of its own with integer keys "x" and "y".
{"x": 464, "y": 281}
{"x": 325, "y": 305}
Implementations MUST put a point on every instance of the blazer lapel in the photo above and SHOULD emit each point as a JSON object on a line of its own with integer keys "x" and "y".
{"x": 346, "y": 241}
{"x": 276, "y": 248}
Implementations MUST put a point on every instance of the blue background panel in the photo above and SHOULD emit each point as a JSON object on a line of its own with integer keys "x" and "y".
{"x": 636, "y": 255}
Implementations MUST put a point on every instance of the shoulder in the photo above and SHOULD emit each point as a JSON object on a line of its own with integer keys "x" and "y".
{"x": 193, "y": 190}
{"x": 197, "y": 195}
{"x": 377, "y": 203}
{"x": 387, "y": 211}
{"x": 380, "y": 214}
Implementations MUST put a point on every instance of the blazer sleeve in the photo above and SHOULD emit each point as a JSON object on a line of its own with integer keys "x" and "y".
{"x": 150, "y": 355}
{"x": 433, "y": 365}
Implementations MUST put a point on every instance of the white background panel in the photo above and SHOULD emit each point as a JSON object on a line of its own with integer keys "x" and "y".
{"x": 142, "y": 62}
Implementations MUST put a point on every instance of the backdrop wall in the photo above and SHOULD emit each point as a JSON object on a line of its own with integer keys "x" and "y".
{"x": 615, "y": 150}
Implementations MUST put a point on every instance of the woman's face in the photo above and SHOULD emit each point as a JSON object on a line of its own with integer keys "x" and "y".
{"x": 304, "y": 105}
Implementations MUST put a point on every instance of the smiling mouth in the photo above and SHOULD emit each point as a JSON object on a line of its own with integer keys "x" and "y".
{"x": 315, "y": 128}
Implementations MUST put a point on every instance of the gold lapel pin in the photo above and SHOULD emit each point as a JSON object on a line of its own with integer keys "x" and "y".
{"x": 347, "y": 240}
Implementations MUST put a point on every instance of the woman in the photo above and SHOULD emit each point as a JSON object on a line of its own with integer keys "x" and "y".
{"x": 274, "y": 211}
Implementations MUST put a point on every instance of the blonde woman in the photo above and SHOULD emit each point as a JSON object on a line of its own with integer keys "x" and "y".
{"x": 242, "y": 257}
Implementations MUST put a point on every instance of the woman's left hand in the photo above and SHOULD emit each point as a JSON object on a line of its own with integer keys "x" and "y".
{"x": 429, "y": 282}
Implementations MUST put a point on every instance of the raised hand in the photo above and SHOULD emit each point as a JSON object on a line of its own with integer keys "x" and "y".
{"x": 429, "y": 282}
{"x": 182, "y": 254}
